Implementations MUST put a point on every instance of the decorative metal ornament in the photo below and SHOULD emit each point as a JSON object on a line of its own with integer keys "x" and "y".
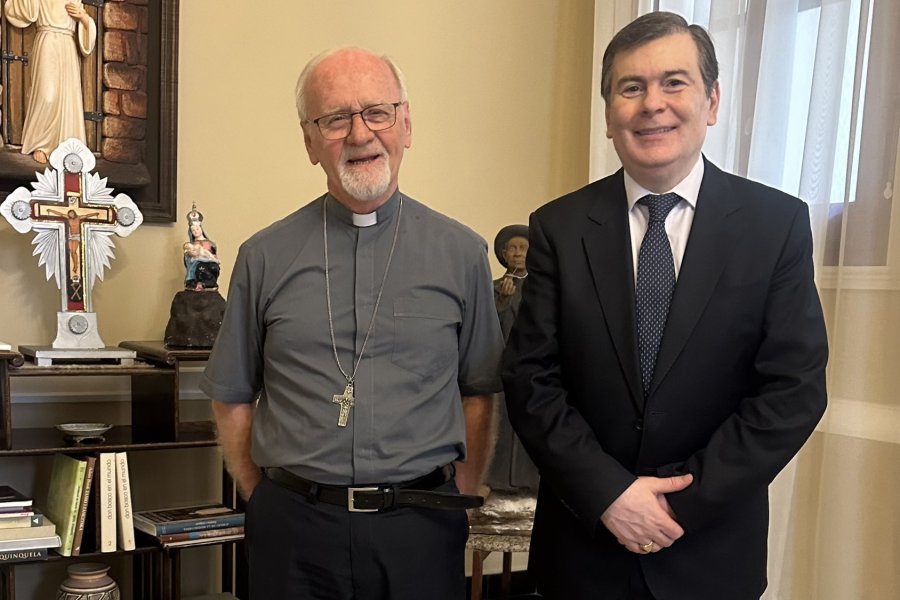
{"x": 194, "y": 216}
{"x": 73, "y": 163}
{"x": 126, "y": 216}
{"x": 21, "y": 210}
{"x": 78, "y": 324}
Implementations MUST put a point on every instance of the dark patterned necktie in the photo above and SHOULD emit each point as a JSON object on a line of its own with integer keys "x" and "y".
{"x": 655, "y": 283}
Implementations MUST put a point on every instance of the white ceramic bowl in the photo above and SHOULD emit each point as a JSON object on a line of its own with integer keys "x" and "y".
{"x": 79, "y": 432}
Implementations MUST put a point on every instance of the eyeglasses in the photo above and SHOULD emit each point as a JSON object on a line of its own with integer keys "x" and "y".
{"x": 337, "y": 126}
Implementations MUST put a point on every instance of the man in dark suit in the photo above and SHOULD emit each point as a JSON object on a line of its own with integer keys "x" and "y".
{"x": 668, "y": 359}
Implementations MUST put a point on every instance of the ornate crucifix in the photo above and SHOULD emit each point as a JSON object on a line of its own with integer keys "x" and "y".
{"x": 75, "y": 216}
{"x": 71, "y": 216}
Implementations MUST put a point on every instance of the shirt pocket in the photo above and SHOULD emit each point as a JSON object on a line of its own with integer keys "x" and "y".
{"x": 425, "y": 335}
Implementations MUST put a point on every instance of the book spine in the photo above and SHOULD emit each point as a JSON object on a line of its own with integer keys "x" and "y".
{"x": 24, "y": 512}
{"x": 123, "y": 494}
{"x": 236, "y": 520}
{"x": 50, "y": 541}
{"x": 107, "y": 499}
{"x": 204, "y": 542}
{"x": 22, "y": 556}
{"x": 16, "y": 509}
{"x": 27, "y": 521}
{"x": 27, "y": 532}
{"x": 90, "y": 461}
{"x": 199, "y": 535}
{"x": 70, "y": 523}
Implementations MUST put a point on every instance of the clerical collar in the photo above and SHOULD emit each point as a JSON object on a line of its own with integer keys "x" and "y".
{"x": 382, "y": 214}
{"x": 365, "y": 220}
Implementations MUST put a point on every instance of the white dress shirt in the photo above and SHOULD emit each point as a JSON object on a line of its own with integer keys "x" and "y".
{"x": 678, "y": 222}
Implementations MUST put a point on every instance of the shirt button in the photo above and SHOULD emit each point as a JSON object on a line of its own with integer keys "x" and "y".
{"x": 638, "y": 424}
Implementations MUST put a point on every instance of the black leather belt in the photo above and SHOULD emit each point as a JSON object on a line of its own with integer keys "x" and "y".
{"x": 374, "y": 498}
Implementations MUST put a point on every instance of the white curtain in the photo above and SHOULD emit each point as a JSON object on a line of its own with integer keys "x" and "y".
{"x": 811, "y": 105}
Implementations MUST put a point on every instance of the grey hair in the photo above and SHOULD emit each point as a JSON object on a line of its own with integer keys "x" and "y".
{"x": 300, "y": 88}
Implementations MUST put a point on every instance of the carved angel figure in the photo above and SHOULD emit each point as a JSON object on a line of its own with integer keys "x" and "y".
{"x": 55, "y": 109}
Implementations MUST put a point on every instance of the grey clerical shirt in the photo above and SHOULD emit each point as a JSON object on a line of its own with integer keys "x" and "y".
{"x": 436, "y": 337}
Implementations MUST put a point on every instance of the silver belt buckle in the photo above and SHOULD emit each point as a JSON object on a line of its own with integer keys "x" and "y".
{"x": 351, "y": 499}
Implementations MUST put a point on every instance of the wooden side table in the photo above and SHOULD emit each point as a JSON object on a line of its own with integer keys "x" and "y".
{"x": 503, "y": 524}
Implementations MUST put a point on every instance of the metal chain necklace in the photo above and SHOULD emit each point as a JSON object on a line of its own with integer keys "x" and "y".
{"x": 346, "y": 400}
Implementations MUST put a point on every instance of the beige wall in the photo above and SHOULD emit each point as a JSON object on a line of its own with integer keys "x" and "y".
{"x": 500, "y": 101}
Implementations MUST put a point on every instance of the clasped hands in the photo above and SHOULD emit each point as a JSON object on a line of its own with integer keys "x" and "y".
{"x": 641, "y": 518}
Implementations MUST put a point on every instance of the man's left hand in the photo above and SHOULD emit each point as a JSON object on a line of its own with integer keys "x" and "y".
{"x": 641, "y": 518}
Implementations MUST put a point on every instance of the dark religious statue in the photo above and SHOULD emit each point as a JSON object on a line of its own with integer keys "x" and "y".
{"x": 511, "y": 469}
{"x": 197, "y": 310}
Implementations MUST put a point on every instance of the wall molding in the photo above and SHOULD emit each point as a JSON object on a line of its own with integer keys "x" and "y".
{"x": 862, "y": 420}
{"x": 858, "y": 278}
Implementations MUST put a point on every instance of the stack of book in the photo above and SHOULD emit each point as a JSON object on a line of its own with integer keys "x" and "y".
{"x": 191, "y": 525}
{"x": 24, "y": 534}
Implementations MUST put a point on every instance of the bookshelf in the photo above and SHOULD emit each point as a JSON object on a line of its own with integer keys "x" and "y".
{"x": 156, "y": 425}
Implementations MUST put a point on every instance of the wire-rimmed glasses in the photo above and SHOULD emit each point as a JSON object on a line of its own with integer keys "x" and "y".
{"x": 377, "y": 117}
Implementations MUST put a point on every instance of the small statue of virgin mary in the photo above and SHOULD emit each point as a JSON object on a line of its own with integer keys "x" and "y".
{"x": 200, "y": 261}
{"x": 196, "y": 317}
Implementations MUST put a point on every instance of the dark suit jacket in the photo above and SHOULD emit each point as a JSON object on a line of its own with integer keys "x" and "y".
{"x": 739, "y": 385}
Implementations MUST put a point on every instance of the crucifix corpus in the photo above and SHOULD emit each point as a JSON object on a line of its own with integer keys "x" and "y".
{"x": 346, "y": 402}
{"x": 75, "y": 216}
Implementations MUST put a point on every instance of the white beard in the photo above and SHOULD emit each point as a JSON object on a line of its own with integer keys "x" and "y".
{"x": 365, "y": 184}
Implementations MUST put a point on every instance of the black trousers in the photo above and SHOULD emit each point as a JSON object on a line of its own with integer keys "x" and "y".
{"x": 316, "y": 551}
{"x": 635, "y": 590}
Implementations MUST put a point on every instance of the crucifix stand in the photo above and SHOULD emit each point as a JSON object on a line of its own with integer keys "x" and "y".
{"x": 74, "y": 216}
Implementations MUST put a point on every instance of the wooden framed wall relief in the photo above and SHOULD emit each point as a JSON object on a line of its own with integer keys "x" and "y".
{"x": 101, "y": 70}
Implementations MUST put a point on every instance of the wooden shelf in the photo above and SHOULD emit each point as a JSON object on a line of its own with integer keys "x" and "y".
{"x": 158, "y": 352}
{"x": 29, "y": 369}
{"x": 12, "y": 357}
{"x": 155, "y": 425}
{"x": 144, "y": 548}
{"x": 49, "y": 440}
{"x": 145, "y": 539}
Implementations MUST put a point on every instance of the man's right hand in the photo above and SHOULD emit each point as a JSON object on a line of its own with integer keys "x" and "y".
{"x": 234, "y": 423}
{"x": 248, "y": 482}
{"x": 642, "y": 515}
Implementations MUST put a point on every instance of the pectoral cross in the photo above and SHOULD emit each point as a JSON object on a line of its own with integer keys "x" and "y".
{"x": 346, "y": 402}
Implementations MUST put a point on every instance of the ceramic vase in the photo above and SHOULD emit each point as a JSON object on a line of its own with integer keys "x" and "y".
{"x": 88, "y": 581}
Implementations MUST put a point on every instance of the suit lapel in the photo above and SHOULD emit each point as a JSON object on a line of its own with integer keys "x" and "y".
{"x": 607, "y": 245}
{"x": 714, "y": 234}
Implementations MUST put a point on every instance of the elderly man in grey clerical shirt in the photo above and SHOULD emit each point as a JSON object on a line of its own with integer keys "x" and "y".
{"x": 354, "y": 373}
